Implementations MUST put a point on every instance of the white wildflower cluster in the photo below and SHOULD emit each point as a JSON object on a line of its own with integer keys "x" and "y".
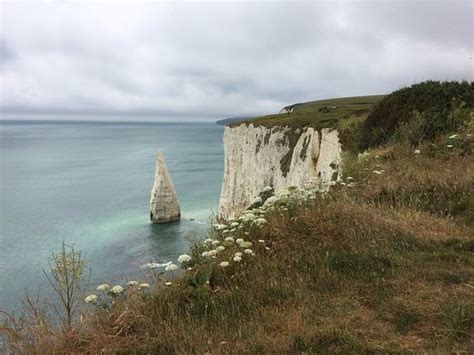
{"x": 109, "y": 293}
{"x": 185, "y": 258}
{"x": 171, "y": 267}
{"x": 117, "y": 290}
{"x": 219, "y": 227}
{"x": 103, "y": 288}
{"x": 91, "y": 299}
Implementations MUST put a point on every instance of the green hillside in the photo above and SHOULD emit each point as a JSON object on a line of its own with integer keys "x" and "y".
{"x": 321, "y": 113}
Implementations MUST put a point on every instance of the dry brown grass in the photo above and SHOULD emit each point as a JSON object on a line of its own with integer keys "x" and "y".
{"x": 356, "y": 271}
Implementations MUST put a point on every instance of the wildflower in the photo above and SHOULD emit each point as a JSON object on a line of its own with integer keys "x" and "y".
{"x": 248, "y": 217}
{"x": 90, "y": 299}
{"x": 270, "y": 201}
{"x": 249, "y": 251}
{"x": 267, "y": 189}
{"x": 220, "y": 248}
{"x": 171, "y": 267}
{"x": 267, "y": 248}
{"x": 205, "y": 254}
{"x": 103, "y": 287}
{"x": 238, "y": 254}
{"x": 245, "y": 244}
{"x": 144, "y": 285}
{"x": 246, "y": 233}
{"x": 224, "y": 264}
{"x": 449, "y": 146}
{"x": 232, "y": 230}
{"x": 219, "y": 227}
{"x": 117, "y": 289}
{"x": 168, "y": 283}
{"x": 132, "y": 283}
{"x": 260, "y": 221}
{"x": 234, "y": 224}
{"x": 237, "y": 259}
{"x": 377, "y": 172}
{"x": 225, "y": 231}
{"x": 417, "y": 151}
{"x": 213, "y": 252}
{"x": 215, "y": 242}
{"x": 229, "y": 239}
{"x": 454, "y": 136}
{"x": 239, "y": 240}
{"x": 184, "y": 258}
{"x": 349, "y": 178}
{"x": 261, "y": 241}
{"x": 208, "y": 241}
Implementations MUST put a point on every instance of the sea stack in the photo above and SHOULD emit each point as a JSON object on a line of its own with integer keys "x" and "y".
{"x": 164, "y": 205}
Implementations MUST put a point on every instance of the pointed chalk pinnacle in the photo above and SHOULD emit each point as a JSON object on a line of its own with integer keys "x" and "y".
{"x": 164, "y": 205}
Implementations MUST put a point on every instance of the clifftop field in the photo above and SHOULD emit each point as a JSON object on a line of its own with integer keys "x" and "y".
{"x": 382, "y": 263}
{"x": 319, "y": 114}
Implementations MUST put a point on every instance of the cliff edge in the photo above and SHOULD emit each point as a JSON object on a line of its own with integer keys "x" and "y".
{"x": 280, "y": 157}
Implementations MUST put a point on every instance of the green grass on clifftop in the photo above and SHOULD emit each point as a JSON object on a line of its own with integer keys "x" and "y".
{"x": 347, "y": 114}
{"x": 319, "y": 114}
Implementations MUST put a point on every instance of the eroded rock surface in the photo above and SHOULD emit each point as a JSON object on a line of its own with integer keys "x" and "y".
{"x": 280, "y": 157}
{"x": 164, "y": 205}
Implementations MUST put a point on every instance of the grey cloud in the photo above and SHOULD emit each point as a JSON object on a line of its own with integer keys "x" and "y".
{"x": 6, "y": 53}
{"x": 223, "y": 59}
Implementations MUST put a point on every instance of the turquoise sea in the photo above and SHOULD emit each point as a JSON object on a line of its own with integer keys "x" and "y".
{"x": 88, "y": 183}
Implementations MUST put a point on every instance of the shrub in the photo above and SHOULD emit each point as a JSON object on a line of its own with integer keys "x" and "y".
{"x": 419, "y": 112}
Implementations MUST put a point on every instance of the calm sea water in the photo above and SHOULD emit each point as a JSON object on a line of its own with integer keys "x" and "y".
{"x": 89, "y": 184}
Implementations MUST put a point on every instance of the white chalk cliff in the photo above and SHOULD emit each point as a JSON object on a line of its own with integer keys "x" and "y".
{"x": 164, "y": 205}
{"x": 281, "y": 157}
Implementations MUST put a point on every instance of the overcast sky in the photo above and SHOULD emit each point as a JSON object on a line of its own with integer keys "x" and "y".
{"x": 215, "y": 60}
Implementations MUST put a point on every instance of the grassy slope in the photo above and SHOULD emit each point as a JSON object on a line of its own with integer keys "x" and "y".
{"x": 309, "y": 114}
{"x": 385, "y": 266}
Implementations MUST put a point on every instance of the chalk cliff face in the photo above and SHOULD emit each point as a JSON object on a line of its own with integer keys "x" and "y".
{"x": 281, "y": 157}
{"x": 164, "y": 206}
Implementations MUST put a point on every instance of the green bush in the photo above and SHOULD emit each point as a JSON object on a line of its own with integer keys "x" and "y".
{"x": 419, "y": 112}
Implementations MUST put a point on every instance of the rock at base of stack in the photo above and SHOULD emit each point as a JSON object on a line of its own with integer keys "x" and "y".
{"x": 164, "y": 205}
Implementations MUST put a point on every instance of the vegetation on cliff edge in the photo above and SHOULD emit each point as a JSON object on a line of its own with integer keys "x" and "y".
{"x": 382, "y": 263}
